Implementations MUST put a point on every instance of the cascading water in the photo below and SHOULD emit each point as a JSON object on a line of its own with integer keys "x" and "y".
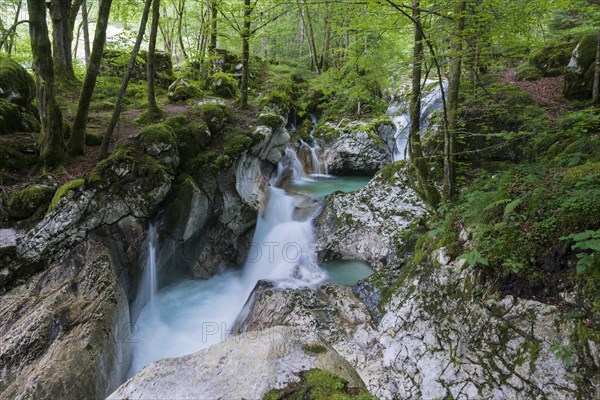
{"x": 399, "y": 113}
{"x": 191, "y": 315}
{"x": 318, "y": 167}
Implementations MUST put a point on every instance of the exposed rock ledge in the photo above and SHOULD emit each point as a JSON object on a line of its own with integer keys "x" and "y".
{"x": 365, "y": 225}
{"x": 242, "y": 367}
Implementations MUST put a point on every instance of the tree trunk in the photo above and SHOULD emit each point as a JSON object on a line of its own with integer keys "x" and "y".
{"x": 181, "y": 12}
{"x": 212, "y": 43}
{"x": 245, "y": 53}
{"x": 62, "y": 36}
{"x": 453, "y": 92}
{"x": 86, "y": 31}
{"x": 52, "y": 151}
{"x": 310, "y": 36}
{"x": 326, "y": 40}
{"x": 425, "y": 188}
{"x": 153, "y": 110}
{"x": 16, "y": 21}
{"x": 77, "y": 141}
{"x": 596, "y": 85}
{"x": 117, "y": 112}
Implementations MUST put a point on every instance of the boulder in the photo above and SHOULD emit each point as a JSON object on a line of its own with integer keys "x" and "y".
{"x": 115, "y": 62}
{"x": 18, "y": 155}
{"x": 182, "y": 90}
{"x": 366, "y": 225}
{"x": 244, "y": 366}
{"x": 65, "y": 332}
{"x": 16, "y": 84}
{"x": 580, "y": 70}
{"x": 355, "y": 149}
{"x": 224, "y": 85}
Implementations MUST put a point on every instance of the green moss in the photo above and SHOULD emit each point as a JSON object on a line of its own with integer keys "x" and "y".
{"x": 10, "y": 117}
{"x": 17, "y": 84}
{"x": 318, "y": 384}
{"x": 215, "y": 115}
{"x": 63, "y": 190}
{"x": 182, "y": 89}
{"x": 224, "y": 85}
{"x": 315, "y": 348}
{"x": 150, "y": 116}
{"x": 27, "y": 202}
{"x": 272, "y": 120}
{"x": 552, "y": 59}
{"x": 157, "y": 133}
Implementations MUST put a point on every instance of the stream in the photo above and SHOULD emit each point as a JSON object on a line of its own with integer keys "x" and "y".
{"x": 194, "y": 314}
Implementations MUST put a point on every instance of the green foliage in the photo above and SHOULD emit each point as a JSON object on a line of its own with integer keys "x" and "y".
{"x": 318, "y": 384}
{"x": 63, "y": 190}
{"x": 587, "y": 246}
{"x": 528, "y": 72}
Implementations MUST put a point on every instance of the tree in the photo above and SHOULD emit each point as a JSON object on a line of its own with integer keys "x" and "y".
{"x": 77, "y": 140}
{"x": 63, "y": 15}
{"x": 596, "y": 84}
{"x": 453, "y": 91}
{"x": 117, "y": 112}
{"x": 52, "y": 151}
{"x": 153, "y": 112}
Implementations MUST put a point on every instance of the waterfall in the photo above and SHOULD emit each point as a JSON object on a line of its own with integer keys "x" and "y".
{"x": 194, "y": 314}
{"x": 399, "y": 113}
{"x": 289, "y": 167}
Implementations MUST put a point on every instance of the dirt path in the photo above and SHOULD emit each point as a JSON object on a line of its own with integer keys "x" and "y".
{"x": 546, "y": 92}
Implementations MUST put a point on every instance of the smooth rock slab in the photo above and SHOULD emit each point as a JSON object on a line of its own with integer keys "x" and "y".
{"x": 244, "y": 366}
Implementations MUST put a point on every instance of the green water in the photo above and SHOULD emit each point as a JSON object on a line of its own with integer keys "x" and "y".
{"x": 323, "y": 185}
{"x": 347, "y": 272}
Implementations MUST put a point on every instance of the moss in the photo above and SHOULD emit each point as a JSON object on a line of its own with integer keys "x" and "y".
{"x": 10, "y": 117}
{"x": 224, "y": 85}
{"x": 157, "y": 133}
{"x": 17, "y": 84}
{"x": 279, "y": 101}
{"x": 272, "y": 120}
{"x": 27, "y": 202}
{"x": 182, "y": 90}
{"x": 552, "y": 59}
{"x": 315, "y": 348}
{"x": 318, "y": 384}
{"x": 150, "y": 116}
{"x": 63, "y": 190}
{"x": 215, "y": 115}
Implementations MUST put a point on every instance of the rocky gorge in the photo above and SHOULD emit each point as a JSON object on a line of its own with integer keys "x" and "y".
{"x": 423, "y": 325}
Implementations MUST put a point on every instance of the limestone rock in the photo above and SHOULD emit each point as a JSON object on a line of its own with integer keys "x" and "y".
{"x": 16, "y": 84}
{"x": 64, "y": 332}
{"x": 364, "y": 225}
{"x": 244, "y": 366}
{"x": 580, "y": 71}
{"x": 181, "y": 89}
{"x": 355, "y": 151}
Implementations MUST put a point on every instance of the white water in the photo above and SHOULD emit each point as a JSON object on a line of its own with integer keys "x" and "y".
{"x": 399, "y": 113}
{"x": 192, "y": 315}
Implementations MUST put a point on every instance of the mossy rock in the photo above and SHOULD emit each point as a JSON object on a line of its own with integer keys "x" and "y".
{"x": 237, "y": 143}
{"x": 18, "y": 155}
{"x": 93, "y": 139}
{"x": 272, "y": 120}
{"x": 115, "y": 62}
{"x": 579, "y": 78}
{"x": 16, "y": 84}
{"x": 10, "y": 117}
{"x": 224, "y": 85}
{"x": 192, "y": 139}
{"x": 278, "y": 101}
{"x": 30, "y": 201}
{"x": 552, "y": 59}
{"x": 182, "y": 89}
{"x": 318, "y": 384}
{"x": 528, "y": 72}
{"x": 64, "y": 189}
{"x": 215, "y": 115}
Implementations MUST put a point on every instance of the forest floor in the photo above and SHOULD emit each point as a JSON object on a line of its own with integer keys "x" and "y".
{"x": 546, "y": 92}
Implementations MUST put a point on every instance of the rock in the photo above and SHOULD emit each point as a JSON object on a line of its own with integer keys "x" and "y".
{"x": 182, "y": 90}
{"x": 580, "y": 70}
{"x": 65, "y": 332}
{"x": 214, "y": 114}
{"x": 224, "y": 85}
{"x": 160, "y": 143}
{"x": 28, "y": 202}
{"x": 115, "y": 62}
{"x": 244, "y": 366}
{"x": 16, "y": 84}
{"x": 365, "y": 225}
{"x": 8, "y": 241}
{"x": 120, "y": 186}
{"x": 355, "y": 150}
